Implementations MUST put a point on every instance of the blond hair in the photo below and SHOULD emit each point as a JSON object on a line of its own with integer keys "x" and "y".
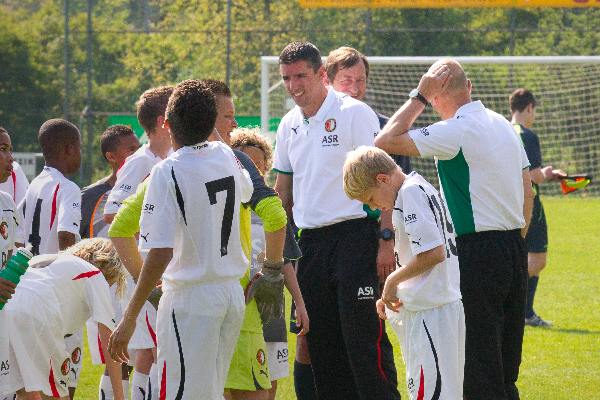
{"x": 361, "y": 169}
{"x": 101, "y": 253}
{"x": 251, "y": 137}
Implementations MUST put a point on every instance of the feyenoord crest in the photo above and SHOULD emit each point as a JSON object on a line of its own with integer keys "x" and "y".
{"x": 4, "y": 230}
{"x": 330, "y": 125}
{"x": 76, "y": 355}
{"x": 260, "y": 357}
{"x": 65, "y": 367}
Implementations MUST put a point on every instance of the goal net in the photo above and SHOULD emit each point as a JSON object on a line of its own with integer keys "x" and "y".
{"x": 567, "y": 90}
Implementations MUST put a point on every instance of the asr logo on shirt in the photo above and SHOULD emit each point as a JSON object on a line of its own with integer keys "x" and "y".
{"x": 410, "y": 218}
{"x": 149, "y": 208}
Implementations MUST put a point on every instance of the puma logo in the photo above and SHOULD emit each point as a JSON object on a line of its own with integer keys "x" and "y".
{"x": 296, "y": 129}
{"x": 145, "y": 237}
{"x": 417, "y": 242}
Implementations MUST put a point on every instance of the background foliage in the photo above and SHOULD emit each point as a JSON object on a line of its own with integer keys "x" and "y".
{"x": 142, "y": 43}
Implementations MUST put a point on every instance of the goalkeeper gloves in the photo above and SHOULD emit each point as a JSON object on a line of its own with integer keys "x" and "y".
{"x": 267, "y": 288}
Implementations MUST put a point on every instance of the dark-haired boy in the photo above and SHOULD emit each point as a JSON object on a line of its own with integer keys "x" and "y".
{"x": 198, "y": 189}
{"x": 52, "y": 208}
{"x": 116, "y": 143}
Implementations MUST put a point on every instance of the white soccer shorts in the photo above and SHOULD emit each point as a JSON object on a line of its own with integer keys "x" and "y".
{"x": 39, "y": 362}
{"x": 74, "y": 345}
{"x": 198, "y": 327}
{"x": 433, "y": 349}
{"x": 277, "y": 356}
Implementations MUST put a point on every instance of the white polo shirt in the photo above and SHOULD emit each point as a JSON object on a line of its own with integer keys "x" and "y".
{"x": 16, "y": 185}
{"x": 52, "y": 204}
{"x": 421, "y": 224}
{"x": 192, "y": 205}
{"x": 480, "y": 162}
{"x": 134, "y": 170}
{"x": 72, "y": 291}
{"x": 314, "y": 151}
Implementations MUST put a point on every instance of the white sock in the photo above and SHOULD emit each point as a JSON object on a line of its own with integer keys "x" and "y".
{"x": 125, "y": 384}
{"x": 138, "y": 386}
{"x": 105, "y": 391}
{"x": 153, "y": 383}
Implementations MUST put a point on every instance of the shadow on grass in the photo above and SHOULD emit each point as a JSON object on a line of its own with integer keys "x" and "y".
{"x": 573, "y": 331}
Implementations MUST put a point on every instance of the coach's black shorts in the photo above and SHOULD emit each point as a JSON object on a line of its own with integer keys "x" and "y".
{"x": 537, "y": 235}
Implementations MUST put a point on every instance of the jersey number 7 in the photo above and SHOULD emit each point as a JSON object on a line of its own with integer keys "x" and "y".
{"x": 214, "y": 187}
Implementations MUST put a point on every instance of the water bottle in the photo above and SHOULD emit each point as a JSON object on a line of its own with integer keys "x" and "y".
{"x": 15, "y": 267}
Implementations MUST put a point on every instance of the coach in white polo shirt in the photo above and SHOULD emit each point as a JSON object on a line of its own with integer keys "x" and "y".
{"x": 484, "y": 176}
{"x": 337, "y": 273}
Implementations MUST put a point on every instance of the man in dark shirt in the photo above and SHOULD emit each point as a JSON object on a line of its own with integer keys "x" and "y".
{"x": 522, "y": 106}
{"x": 116, "y": 143}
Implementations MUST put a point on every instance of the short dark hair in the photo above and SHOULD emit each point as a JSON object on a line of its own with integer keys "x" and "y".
{"x": 342, "y": 58}
{"x": 191, "y": 112}
{"x": 55, "y": 134}
{"x": 301, "y": 51}
{"x": 3, "y": 130}
{"x": 111, "y": 137}
{"x": 520, "y": 99}
{"x": 152, "y": 104}
{"x": 218, "y": 88}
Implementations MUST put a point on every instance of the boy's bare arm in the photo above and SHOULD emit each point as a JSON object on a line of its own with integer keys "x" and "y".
{"x": 291, "y": 283}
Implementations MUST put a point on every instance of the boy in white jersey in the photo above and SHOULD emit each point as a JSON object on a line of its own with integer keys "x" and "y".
{"x": 151, "y": 116}
{"x": 56, "y": 295}
{"x": 9, "y": 221}
{"x": 17, "y": 183}
{"x": 52, "y": 206}
{"x": 150, "y": 113}
{"x": 421, "y": 298}
{"x": 199, "y": 190}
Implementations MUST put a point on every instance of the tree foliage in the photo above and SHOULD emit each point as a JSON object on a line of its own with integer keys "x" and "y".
{"x": 142, "y": 43}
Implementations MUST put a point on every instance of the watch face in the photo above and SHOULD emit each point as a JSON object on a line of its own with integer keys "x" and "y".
{"x": 413, "y": 93}
{"x": 387, "y": 234}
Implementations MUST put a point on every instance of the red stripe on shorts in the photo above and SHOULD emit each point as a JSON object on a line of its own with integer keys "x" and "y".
{"x": 152, "y": 333}
{"x": 100, "y": 350}
{"x": 421, "y": 393}
{"x": 163, "y": 382}
{"x": 52, "y": 383}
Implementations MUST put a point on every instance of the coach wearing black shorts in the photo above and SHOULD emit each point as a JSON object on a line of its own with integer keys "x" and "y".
{"x": 484, "y": 176}
{"x": 522, "y": 106}
{"x": 351, "y": 355}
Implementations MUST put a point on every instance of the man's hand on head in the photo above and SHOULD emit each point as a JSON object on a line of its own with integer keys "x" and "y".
{"x": 434, "y": 82}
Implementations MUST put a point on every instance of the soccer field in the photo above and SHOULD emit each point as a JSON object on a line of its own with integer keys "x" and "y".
{"x": 558, "y": 363}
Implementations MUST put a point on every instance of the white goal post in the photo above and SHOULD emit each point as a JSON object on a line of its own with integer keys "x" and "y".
{"x": 567, "y": 89}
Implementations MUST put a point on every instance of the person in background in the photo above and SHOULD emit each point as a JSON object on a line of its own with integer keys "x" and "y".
{"x": 522, "y": 106}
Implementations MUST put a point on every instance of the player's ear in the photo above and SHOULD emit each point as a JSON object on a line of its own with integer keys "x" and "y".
{"x": 110, "y": 157}
{"x": 161, "y": 121}
{"x": 383, "y": 178}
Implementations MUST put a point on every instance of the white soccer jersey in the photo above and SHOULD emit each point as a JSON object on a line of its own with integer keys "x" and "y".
{"x": 480, "y": 161}
{"x": 8, "y": 225}
{"x": 136, "y": 168}
{"x": 55, "y": 300}
{"x": 52, "y": 204}
{"x": 10, "y": 220}
{"x": 193, "y": 206}
{"x": 72, "y": 290}
{"x": 422, "y": 223}
{"x": 314, "y": 150}
{"x": 17, "y": 184}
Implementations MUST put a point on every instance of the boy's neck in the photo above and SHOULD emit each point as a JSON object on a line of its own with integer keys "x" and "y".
{"x": 57, "y": 166}
{"x": 398, "y": 178}
{"x": 159, "y": 146}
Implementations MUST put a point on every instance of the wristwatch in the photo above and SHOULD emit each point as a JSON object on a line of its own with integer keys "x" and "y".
{"x": 415, "y": 94}
{"x": 386, "y": 234}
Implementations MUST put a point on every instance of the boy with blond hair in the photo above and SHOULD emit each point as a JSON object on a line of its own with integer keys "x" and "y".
{"x": 421, "y": 298}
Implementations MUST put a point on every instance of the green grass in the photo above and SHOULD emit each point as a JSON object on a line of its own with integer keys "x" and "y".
{"x": 558, "y": 363}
